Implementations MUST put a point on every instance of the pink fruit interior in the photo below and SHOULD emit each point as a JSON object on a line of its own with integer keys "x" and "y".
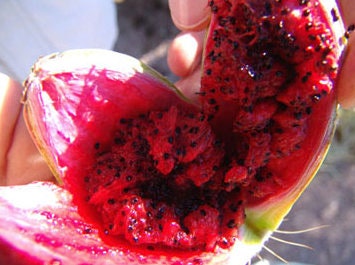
{"x": 156, "y": 172}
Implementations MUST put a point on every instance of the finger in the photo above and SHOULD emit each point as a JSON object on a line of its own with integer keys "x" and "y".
{"x": 189, "y": 14}
{"x": 25, "y": 164}
{"x": 346, "y": 81}
{"x": 10, "y": 95}
{"x": 20, "y": 162}
{"x": 184, "y": 53}
{"x": 190, "y": 86}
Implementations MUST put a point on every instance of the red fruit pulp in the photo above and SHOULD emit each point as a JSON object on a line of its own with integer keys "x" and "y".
{"x": 159, "y": 175}
{"x": 269, "y": 71}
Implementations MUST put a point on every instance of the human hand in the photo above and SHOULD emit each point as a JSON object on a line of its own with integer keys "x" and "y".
{"x": 184, "y": 56}
{"x": 20, "y": 161}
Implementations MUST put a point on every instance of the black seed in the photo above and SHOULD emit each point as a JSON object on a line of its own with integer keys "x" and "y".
{"x": 231, "y": 224}
{"x": 222, "y": 21}
{"x": 306, "y": 12}
{"x": 298, "y": 115}
{"x": 111, "y": 201}
{"x": 306, "y": 77}
{"x": 203, "y": 212}
{"x": 170, "y": 139}
{"x": 248, "y": 109}
{"x": 159, "y": 115}
{"x": 212, "y": 101}
{"x": 309, "y": 110}
{"x": 234, "y": 207}
{"x": 98, "y": 171}
{"x": 123, "y": 121}
{"x": 202, "y": 117}
{"x": 303, "y": 2}
{"x": 218, "y": 143}
{"x": 312, "y": 37}
{"x": 194, "y": 130}
{"x": 335, "y": 15}
{"x": 119, "y": 141}
{"x": 134, "y": 200}
{"x": 177, "y": 130}
{"x": 87, "y": 231}
{"x": 259, "y": 177}
{"x": 97, "y": 146}
{"x": 285, "y": 11}
{"x": 129, "y": 178}
{"x": 309, "y": 25}
{"x": 180, "y": 151}
{"x": 208, "y": 71}
{"x": 160, "y": 213}
{"x": 279, "y": 73}
{"x": 166, "y": 156}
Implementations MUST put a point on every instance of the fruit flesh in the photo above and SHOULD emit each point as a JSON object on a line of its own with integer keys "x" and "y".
{"x": 240, "y": 178}
{"x": 275, "y": 64}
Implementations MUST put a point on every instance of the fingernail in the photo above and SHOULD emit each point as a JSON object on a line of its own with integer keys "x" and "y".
{"x": 189, "y": 14}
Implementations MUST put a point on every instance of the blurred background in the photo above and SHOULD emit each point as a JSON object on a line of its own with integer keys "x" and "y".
{"x": 329, "y": 202}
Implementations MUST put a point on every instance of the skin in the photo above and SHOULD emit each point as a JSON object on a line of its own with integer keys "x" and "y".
{"x": 20, "y": 162}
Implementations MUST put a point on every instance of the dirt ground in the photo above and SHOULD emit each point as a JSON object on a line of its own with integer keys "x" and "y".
{"x": 328, "y": 203}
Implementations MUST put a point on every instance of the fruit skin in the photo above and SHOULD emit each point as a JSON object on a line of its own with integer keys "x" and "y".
{"x": 261, "y": 218}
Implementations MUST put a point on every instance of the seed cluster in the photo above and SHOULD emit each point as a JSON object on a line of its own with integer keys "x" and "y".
{"x": 162, "y": 181}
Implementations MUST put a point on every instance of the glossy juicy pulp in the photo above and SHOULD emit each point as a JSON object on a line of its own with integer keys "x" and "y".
{"x": 269, "y": 72}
